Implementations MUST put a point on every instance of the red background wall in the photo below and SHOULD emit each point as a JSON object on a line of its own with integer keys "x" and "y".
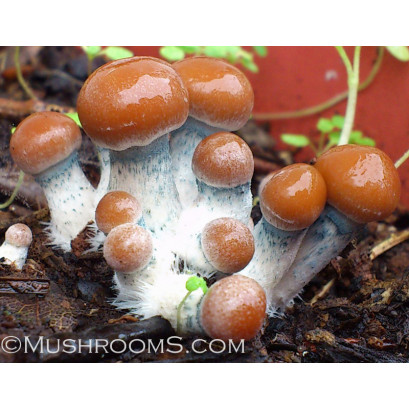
{"x": 293, "y": 78}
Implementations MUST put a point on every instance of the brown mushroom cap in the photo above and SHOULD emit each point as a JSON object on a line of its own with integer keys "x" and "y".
{"x": 223, "y": 160}
{"x": 116, "y": 208}
{"x": 128, "y": 248}
{"x": 131, "y": 102}
{"x": 220, "y": 94}
{"x": 42, "y": 140}
{"x": 228, "y": 244}
{"x": 362, "y": 182}
{"x": 19, "y": 235}
{"x": 234, "y": 308}
{"x": 294, "y": 197}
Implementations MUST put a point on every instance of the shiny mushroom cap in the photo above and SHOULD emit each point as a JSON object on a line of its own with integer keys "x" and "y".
{"x": 223, "y": 160}
{"x": 132, "y": 102}
{"x": 228, "y": 244}
{"x": 362, "y": 182}
{"x": 294, "y": 197}
{"x": 234, "y": 309}
{"x": 220, "y": 94}
{"x": 42, "y": 140}
{"x": 19, "y": 235}
{"x": 128, "y": 248}
{"x": 116, "y": 208}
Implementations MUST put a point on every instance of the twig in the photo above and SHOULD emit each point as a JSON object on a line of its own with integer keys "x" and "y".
{"x": 390, "y": 242}
{"x": 20, "y": 76}
{"x": 15, "y": 191}
{"x": 323, "y": 292}
{"x": 10, "y": 108}
{"x": 402, "y": 159}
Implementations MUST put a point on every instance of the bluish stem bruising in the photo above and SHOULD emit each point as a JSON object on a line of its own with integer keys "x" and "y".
{"x": 324, "y": 240}
{"x": 275, "y": 251}
{"x": 183, "y": 143}
{"x": 233, "y": 202}
{"x": 71, "y": 200}
{"x": 145, "y": 172}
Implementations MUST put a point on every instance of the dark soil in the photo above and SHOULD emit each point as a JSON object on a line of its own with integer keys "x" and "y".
{"x": 355, "y": 310}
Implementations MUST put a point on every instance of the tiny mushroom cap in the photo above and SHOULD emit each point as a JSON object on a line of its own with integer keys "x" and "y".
{"x": 362, "y": 182}
{"x": 228, "y": 244}
{"x": 116, "y": 208}
{"x": 223, "y": 160}
{"x": 294, "y": 197}
{"x": 128, "y": 248}
{"x": 220, "y": 94}
{"x": 19, "y": 235}
{"x": 132, "y": 102}
{"x": 234, "y": 309}
{"x": 42, "y": 140}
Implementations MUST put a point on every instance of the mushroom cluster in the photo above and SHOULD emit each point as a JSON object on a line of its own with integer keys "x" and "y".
{"x": 175, "y": 201}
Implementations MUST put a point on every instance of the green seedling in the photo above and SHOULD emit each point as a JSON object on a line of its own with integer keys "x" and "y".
{"x": 330, "y": 135}
{"x": 233, "y": 54}
{"x": 193, "y": 283}
{"x": 111, "y": 53}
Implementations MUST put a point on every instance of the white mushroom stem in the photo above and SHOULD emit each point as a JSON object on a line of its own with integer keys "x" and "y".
{"x": 105, "y": 166}
{"x": 71, "y": 200}
{"x": 325, "y": 239}
{"x": 235, "y": 202}
{"x": 13, "y": 254}
{"x": 275, "y": 251}
{"x": 183, "y": 143}
{"x": 145, "y": 172}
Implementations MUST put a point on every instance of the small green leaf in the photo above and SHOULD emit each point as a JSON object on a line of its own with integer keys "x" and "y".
{"x": 92, "y": 51}
{"x": 216, "y": 51}
{"x": 172, "y": 53}
{"x": 325, "y": 125}
{"x": 190, "y": 49}
{"x": 13, "y": 129}
{"x": 260, "y": 50}
{"x": 334, "y": 137}
{"x": 355, "y": 136}
{"x": 116, "y": 53}
{"x": 194, "y": 283}
{"x": 365, "y": 141}
{"x": 399, "y": 52}
{"x": 298, "y": 141}
{"x": 338, "y": 121}
{"x": 249, "y": 64}
{"x": 74, "y": 116}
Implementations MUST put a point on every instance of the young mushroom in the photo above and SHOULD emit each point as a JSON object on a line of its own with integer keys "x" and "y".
{"x": 234, "y": 308}
{"x": 129, "y": 106}
{"x": 223, "y": 165}
{"x": 14, "y": 249}
{"x": 292, "y": 199}
{"x": 221, "y": 99}
{"x": 115, "y": 208}
{"x": 45, "y": 145}
{"x": 128, "y": 249}
{"x": 363, "y": 185}
{"x": 227, "y": 244}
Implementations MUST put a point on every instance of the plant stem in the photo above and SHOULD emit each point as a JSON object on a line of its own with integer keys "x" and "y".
{"x": 402, "y": 159}
{"x": 316, "y": 109}
{"x": 353, "y": 82}
{"x": 15, "y": 191}
{"x": 20, "y": 77}
{"x": 179, "y": 311}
